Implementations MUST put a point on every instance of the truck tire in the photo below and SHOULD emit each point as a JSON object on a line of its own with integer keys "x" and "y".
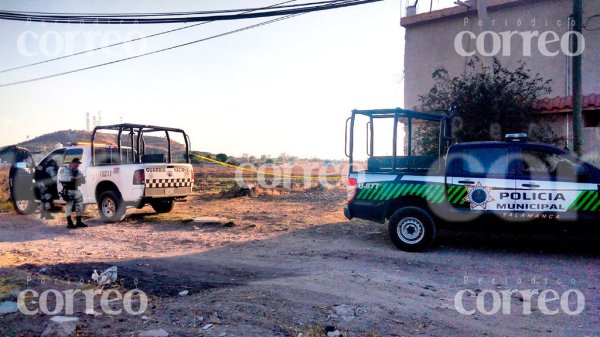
{"x": 24, "y": 207}
{"x": 111, "y": 206}
{"x": 162, "y": 206}
{"x": 412, "y": 229}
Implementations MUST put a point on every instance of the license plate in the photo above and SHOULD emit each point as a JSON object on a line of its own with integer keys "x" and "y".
{"x": 169, "y": 191}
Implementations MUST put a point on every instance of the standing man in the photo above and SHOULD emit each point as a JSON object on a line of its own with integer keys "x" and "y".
{"x": 71, "y": 178}
{"x": 45, "y": 177}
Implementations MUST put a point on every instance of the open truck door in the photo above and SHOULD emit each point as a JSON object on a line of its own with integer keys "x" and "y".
{"x": 20, "y": 179}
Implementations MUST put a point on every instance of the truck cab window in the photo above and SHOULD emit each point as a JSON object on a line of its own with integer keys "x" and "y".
{"x": 485, "y": 161}
{"x": 537, "y": 162}
{"x": 71, "y": 154}
{"x": 56, "y": 155}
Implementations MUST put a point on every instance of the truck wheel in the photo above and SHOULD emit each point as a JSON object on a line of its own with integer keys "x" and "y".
{"x": 111, "y": 206}
{"x": 23, "y": 201}
{"x": 412, "y": 229}
{"x": 24, "y": 207}
{"x": 162, "y": 206}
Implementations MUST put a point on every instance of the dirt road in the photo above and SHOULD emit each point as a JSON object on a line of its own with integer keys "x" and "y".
{"x": 282, "y": 265}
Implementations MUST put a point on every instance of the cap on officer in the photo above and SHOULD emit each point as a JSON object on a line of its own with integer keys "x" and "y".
{"x": 75, "y": 161}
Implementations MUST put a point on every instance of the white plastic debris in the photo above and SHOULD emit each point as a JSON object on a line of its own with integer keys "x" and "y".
{"x": 107, "y": 277}
{"x": 184, "y": 293}
{"x": 92, "y": 312}
{"x": 8, "y": 307}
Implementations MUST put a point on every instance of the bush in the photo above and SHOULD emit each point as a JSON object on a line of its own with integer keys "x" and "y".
{"x": 222, "y": 157}
{"x": 489, "y": 104}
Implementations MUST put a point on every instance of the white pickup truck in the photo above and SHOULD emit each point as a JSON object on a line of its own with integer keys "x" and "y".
{"x": 117, "y": 176}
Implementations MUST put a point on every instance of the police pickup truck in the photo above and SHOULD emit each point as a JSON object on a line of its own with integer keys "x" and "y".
{"x": 511, "y": 180}
{"x": 116, "y": 175}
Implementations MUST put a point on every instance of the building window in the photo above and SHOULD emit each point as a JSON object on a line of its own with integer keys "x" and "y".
{"x": 591, "y": 118}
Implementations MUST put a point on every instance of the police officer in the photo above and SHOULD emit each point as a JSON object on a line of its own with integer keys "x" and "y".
{"x": 71, "y": 178}
{"x": 45, "y": 178}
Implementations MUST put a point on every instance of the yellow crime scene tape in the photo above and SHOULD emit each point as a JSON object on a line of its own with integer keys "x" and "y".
{"x": 262, "y": 172}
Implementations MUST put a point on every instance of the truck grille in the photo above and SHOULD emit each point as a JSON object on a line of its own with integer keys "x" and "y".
{"x": 181, "y": 182}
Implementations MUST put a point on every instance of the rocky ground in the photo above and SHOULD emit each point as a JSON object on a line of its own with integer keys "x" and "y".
{"x": 281, "y": 265}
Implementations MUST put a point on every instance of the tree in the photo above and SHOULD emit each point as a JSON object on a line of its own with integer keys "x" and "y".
{"x": 222, "y": 157}
{"x": 489, "y": 103}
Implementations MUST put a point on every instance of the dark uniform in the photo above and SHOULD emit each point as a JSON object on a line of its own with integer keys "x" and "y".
{"x": 71, "y": 178}
{"x": 45, "y": 178}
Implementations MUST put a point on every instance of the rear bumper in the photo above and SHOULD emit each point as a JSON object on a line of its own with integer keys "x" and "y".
{"x": 168, "y": 192}
{"x": 366, "y": 210}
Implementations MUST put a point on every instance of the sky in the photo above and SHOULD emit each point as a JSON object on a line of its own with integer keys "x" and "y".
{"x": 282, "y": 88}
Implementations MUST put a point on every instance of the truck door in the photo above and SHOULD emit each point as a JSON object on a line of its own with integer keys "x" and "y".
{"x": 482, "y": 179}
{"x": 553, "y": 185}
{"x": 20, "y": 178}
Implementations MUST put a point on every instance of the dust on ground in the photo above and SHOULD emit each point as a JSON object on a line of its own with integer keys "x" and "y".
{"x": 287, "y": 263}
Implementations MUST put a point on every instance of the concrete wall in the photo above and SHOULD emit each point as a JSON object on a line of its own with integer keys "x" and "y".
{"x": 431, "y": 44}
{"x": 562, "y": 124}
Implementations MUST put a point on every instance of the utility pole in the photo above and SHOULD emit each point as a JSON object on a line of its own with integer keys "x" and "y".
{"x": 577, "y": 74}
{"x": 482, "y": 13}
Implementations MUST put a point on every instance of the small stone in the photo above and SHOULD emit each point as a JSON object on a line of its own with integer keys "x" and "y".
{"x": 229, "y": 224}
{"x": 61, "y": 326}
{"x": 207, "y": 326}
{"x": 8, "y": 307}
{"x": 335, "y": 333}
{"x": 154, "y": 333}
{"x": 329, "y": 328}
{"x": 345, "y": 312}
{"x": 214, "y": 318}
{"x": 144, "y": 318}
{"x": 223, "y": 334}
{"x": 184, "y": 293}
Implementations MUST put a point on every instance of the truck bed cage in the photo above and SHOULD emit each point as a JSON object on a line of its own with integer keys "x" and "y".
{"x": 443, "y": 117}
{"x": 136, "y": 134}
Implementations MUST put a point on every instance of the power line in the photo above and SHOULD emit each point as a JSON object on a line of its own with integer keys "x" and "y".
{"x": 122, "y": 42}
{"x": 152, "y": 52}
{"x": 128, "y": 19}
{"x": 280, "y": 5}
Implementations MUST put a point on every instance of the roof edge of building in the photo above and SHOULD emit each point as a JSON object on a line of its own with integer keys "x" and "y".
{"x": 445, "y": 13}
{"x": 562, "y": 104}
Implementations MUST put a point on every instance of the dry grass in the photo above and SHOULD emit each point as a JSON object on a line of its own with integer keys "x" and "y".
{"x": 314, "y": 331}
{"x": 5, "y": 205}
